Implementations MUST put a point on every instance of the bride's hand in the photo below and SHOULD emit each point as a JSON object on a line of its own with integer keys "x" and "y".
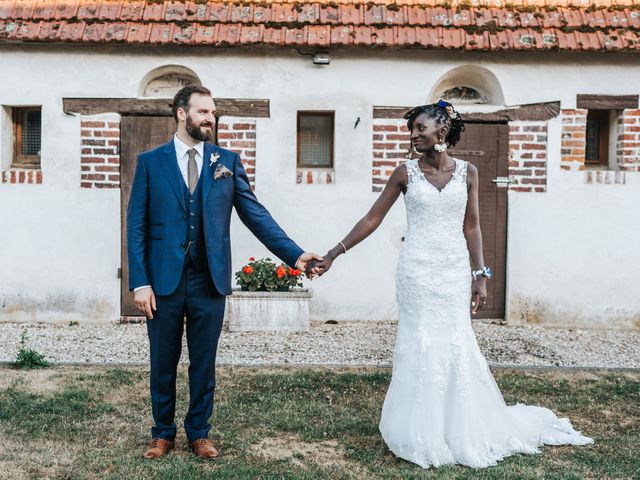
{"x": 478, "y": 294}
{"x": 319, "y": 268}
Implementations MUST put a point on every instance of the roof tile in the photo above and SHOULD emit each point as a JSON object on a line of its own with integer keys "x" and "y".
{"x": 374, "y": 14}
{"x": 329, "y": 15}
{"x": 67, "y": 9}
{"x": 49, "y": 30}
{"x": 44, "y": 10}
{"x": 72, "y": 32}
{"x": 93, "y": 32}
{"x": 362, "y": 36}
{"x": 88, "y": 10}
{"x": 23, "y": 9}
{"x": 132, "y": 11}
{"x": 319, "y": 35}
{"x": 342, "y": 35}
{"x": 273, "y": 36}
{"x": 5, "y": 8}
{"x": 349, "y": 14}
{"x": 196, "y": 12}
{"x": 183, "y": 34}
{"x": 110, "y": 10}
{"x": 161, "y": 33}
{"x": 384, "y": 37}
{"x": 251, "y": 34}
{"x": 228, "y": 34}
{"x": 220, "y": 12}
{"x": 295, "y": 36}
{"x": 175, "y": 11}
{"x": 309, "y": 13}
{"x": 416, "y": 15}
{"x": 153, "y": 12}
{"x": 205, "y": 34}
{"x": 283, "y": 13}
{"x": 242, "y": 13}
{"x": 139, "y": 33}
{"x": 116, "y": 32}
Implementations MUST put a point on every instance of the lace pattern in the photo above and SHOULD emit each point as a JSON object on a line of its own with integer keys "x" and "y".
{"x": 443, "y": 405}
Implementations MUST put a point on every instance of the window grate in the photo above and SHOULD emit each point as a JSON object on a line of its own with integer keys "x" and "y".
{"x": 315, "y": 139}
{"x": 31, "y": 132}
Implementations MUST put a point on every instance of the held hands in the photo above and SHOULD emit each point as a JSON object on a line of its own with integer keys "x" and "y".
{"x": 145, "y": 301}
{"x": 304, "y": 260}
{"x": 478, "y": 294}
{"x": 319, "y": 268}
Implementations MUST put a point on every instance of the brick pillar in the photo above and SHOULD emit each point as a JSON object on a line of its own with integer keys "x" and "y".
{"x": 528, "y": 156}
{"x": 100, "y": 154}
{"x": 390, "y": 148}
{"x": 574, "y": 132}
{"x": 239, "y": 135}
{"x": 628, "y": 148}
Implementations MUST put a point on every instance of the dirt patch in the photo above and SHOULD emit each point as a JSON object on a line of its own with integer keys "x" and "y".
{"x": 33, "y": 381}
{"x": 327, "y": 453}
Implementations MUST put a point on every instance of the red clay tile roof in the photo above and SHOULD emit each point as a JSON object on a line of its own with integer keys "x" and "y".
{"x": 611, "y": 25}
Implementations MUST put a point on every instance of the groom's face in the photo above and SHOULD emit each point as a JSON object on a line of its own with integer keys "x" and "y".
{"x": 200, "y": 117}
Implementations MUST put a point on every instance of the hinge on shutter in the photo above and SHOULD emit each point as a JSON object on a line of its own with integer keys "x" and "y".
{"x": 119, "y": 272}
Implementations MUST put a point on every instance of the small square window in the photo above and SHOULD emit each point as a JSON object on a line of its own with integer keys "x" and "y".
{"x": 315, "y": 139}
{"x": 27, "y": 133}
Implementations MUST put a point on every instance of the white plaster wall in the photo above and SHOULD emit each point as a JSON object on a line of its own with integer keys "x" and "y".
{"x": 61, "y": 244}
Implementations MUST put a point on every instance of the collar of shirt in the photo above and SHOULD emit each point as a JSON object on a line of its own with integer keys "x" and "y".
{"x": 182, "y": 149}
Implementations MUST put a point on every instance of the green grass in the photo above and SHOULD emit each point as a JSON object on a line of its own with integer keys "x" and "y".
{"x": 86, "y": 423}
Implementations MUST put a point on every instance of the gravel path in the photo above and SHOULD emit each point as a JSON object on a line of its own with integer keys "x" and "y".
{"x": 356, "y": 343}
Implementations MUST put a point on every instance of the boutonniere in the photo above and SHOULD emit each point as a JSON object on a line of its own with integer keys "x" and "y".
{"x": 213, "y": 158}
{"x": 222, "y": 172}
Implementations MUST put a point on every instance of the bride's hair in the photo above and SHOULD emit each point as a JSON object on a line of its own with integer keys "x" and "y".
{"x": 444, "y": 114}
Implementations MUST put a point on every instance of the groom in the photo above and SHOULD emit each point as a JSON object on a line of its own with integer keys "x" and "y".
{"x": 180, "y": 259}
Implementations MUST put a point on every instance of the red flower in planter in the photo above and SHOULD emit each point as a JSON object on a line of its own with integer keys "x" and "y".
{"x": 248, "y": 269}
{"x": 251, "y": 259}
{"x": 294, "y": 272}
{"x": 281, "y": 272}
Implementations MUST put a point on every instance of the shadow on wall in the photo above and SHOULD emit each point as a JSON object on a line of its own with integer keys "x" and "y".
{"x": 59, "y": 307}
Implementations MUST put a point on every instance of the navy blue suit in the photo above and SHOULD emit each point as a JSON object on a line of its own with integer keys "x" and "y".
{"x": 163, "y": 217}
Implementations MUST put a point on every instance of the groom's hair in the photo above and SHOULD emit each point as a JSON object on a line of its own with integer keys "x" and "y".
{"x": 181, "y": 100}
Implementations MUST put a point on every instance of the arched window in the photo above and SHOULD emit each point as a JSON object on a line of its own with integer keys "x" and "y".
{"x": 164, "y": 82}
{"x": 468, "y": 84}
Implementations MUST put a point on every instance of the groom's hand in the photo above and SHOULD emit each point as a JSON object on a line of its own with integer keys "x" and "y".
{"x": 304, "y": 259}
{"x": 145, "y": 300}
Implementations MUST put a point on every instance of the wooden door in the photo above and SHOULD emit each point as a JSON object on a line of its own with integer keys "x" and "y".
{"x": 486, "y": 146}
{"x": 138, "y": 134}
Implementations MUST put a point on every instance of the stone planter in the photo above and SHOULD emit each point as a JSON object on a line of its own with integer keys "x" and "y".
{"x": 268, "y": 311}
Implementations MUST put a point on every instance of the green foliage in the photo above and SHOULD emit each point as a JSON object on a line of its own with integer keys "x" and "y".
{"x": 27, "y": 358}
{"x": 265, "y": 276}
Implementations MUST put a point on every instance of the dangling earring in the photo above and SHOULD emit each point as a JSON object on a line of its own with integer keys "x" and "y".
{"x": 440, "y": 146}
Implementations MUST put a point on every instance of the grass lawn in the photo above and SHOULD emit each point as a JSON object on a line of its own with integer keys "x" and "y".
{"x": 87, "y": 422}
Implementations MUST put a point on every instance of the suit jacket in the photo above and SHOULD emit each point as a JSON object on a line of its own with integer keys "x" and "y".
{"x": 157, "y": 223}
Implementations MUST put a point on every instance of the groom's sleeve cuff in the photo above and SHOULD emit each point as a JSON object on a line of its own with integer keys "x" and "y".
{"x": 140, "y": 288}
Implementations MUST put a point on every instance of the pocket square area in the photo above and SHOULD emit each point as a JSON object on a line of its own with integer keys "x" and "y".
{"x": 222, "y": 172}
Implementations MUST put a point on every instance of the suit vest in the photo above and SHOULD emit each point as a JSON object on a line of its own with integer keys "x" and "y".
{"x": 195, "y": 230}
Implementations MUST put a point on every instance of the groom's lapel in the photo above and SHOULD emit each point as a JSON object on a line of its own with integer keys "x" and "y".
{"x": 208, "y": 169}
{"x": 169, "y": 165}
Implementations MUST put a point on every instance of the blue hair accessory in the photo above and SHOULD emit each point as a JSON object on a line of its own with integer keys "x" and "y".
{"x": 443, "y": 104}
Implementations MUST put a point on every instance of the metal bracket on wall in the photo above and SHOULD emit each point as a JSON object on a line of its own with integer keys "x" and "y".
{"x": 501, "y": 182}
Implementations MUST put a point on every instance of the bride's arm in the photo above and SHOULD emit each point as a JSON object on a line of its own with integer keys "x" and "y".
{"x": 396, "y": 184}
{"x": 473, "y": 236}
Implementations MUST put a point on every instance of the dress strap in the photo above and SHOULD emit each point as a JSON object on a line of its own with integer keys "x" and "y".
{"x": 413, "y": 171}
{"x": 460, "y": 173}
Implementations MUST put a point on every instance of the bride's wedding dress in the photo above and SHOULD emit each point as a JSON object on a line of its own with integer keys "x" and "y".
{"x": 443, "y": 405}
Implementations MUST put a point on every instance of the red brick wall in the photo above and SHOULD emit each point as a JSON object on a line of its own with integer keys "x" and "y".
{"x": 100, "y": 158}
{"x": 22, "y": 175}
{"x": 390, "y": 148}
{"x": 239, "y": 135}
{"x": 573, "y": 146}
{"x": 528, "y": 156}
{"x": 628, "y": 148}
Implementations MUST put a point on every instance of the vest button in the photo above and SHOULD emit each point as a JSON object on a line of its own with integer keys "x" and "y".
{"x": 192, "y": 214}
{"x": 192, "y": 227}
{"x": 191, "y": 201}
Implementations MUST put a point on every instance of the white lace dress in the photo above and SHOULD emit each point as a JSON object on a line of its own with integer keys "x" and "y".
{"x": 443, "y": 405}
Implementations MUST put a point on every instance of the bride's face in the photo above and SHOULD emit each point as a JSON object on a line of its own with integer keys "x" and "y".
{"x": 425, "y": 133}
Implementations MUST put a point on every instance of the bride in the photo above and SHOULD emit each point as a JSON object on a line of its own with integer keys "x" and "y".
{"x": 443, "y": 405}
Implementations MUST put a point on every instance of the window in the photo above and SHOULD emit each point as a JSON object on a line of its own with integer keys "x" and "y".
{"x": 597, "y": 138}
{"x": 315, "y": 139}
{"x": 26, "y": 137}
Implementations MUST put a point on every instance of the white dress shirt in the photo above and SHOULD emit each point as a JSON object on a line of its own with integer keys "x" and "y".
{"x": 182, "y": 156}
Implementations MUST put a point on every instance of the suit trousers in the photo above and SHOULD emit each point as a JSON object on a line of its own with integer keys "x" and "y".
{"x": 198, "y": 300}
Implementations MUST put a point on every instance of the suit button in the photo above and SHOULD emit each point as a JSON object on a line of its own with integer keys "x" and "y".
{"x": 192, "y": 227}
{"x": 191, "y": 201}
{"x": 192, "y": 214}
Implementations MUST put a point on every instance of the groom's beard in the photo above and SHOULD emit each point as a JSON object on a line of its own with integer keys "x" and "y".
{"x": 196, "y": 132}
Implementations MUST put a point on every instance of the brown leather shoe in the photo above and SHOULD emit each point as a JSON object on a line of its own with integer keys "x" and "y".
{"x": 158, "y": 448}
{"x": 203, "y": 447}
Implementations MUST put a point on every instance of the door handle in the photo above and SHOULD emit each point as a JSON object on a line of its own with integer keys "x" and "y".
{"x": 501, "y": 182}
